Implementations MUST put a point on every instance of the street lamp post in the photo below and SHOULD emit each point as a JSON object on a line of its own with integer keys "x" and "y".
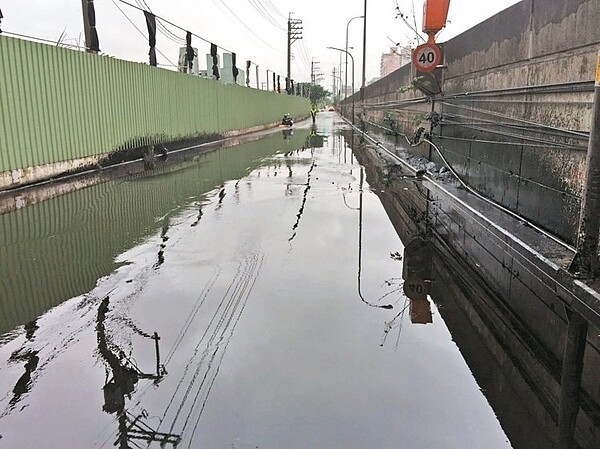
{"x": 364, "y": 67}
{"x": 346, "y": 74}
{"x": 352, "y": 59}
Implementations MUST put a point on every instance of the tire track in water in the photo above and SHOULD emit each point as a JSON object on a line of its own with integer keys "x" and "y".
{"x": 200, "y": 372}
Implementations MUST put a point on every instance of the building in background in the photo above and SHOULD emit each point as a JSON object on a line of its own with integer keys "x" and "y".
{"x": 183, "y": 66}
{"x": 396, "y": 58}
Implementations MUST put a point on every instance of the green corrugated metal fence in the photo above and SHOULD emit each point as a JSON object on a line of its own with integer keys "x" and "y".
{"x": 58, "y": 105}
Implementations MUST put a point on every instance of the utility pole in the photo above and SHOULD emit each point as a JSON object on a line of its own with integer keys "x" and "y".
{"x": 314, "y": 68}
{"x": 294, "y": 34}
{"x": 334, "y": 84}
{"x": 89, "y": 26}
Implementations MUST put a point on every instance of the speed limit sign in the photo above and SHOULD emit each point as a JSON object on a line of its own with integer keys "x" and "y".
{"x": 426, "y": 57}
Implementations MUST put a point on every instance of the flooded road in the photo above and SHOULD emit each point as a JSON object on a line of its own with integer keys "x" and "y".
{"x": 247, "y": 298}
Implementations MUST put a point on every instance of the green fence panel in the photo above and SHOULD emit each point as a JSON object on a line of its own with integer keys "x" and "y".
{"x": 58, "y": 104}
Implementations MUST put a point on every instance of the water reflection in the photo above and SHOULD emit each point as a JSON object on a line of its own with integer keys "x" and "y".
{"x": 122, "y": 380}
{"x": 360, "y": 249}
{"x": 59, "y": 248}
{"x": 287, "y": 134}
{"x": 508, "y": 326}
{"x": 416, "y": 274}
{"x": 303, "y": 203}
{"x": 265, "y": 346}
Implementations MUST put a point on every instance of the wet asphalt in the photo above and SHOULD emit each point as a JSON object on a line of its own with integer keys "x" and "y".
{"x": 246, "y": 264}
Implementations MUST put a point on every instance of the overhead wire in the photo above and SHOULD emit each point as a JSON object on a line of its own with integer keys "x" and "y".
{"x": 221, "y": 2}
{"x": 160, "y": 27}
{"x": 177, "y": 39}
{"x": 303, "y": 63}
{"x": 305, "y": 55}
{"x": 140, "y": 31}
{"x": 263, "y": 11}
{"x": 274, "y": 8}
{"x": 173, "y": 24}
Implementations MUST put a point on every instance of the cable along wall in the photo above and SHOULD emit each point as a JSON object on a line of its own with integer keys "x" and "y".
{"x": 514, "y": 114}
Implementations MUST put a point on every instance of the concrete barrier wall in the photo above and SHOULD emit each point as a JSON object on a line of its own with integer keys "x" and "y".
{"x": 516, "y": 107}
{"x": 63, "y": 109}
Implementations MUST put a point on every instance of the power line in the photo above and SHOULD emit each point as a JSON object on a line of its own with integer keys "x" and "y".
{"x": 196, "y": 35}
{"x": 172, "y": 24}
{"x": 161, "y": 28}
{"x": 272, "y": 7}
{"x": 140, "y": 31}
{"x": 244, "y": 25}
{"x": 264, "y": 12}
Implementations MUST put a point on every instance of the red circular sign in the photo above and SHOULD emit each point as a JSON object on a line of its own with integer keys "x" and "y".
{"x": 426, "y": 57}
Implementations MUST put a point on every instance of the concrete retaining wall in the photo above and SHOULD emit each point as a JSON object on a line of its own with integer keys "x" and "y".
{"x": 516, "y": 107}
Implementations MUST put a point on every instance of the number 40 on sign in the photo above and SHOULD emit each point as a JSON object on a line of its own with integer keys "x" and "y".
{"x": 426, "y": 57}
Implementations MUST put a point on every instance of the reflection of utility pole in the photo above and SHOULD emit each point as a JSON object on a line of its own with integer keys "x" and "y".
{"x": 294, "y": 34}
{"x": 360, "y": 228}
{"x": 125, "y": 375}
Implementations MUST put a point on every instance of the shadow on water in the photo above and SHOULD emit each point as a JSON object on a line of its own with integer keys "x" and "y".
{"x": 59, "y": 247}
{"x": 512, "y": 358}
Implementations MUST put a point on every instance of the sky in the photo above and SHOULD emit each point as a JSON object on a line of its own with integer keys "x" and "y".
{"x": 255, "y": 29}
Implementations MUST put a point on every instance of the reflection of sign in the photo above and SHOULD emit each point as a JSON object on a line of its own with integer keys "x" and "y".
{"x": 420, "y": 311}
{"x": 426, "y": 57}
{"x": 416, "y": 288}
{"x": 416, "y": 273}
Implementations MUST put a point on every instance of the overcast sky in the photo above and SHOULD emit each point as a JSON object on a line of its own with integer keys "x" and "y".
{"x": 254, "y": 29}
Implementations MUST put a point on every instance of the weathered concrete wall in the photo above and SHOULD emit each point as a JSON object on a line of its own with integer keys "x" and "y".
{"x": 516, "y": 107}
{"x": 60, "y": 109}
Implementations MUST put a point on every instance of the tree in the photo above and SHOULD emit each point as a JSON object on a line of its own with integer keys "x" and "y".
{"x": 318, "y": 93}
{"x": 315, "y": 92}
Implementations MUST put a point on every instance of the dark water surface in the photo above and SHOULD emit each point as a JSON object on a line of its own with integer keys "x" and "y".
{"x": 246, "y": 263}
